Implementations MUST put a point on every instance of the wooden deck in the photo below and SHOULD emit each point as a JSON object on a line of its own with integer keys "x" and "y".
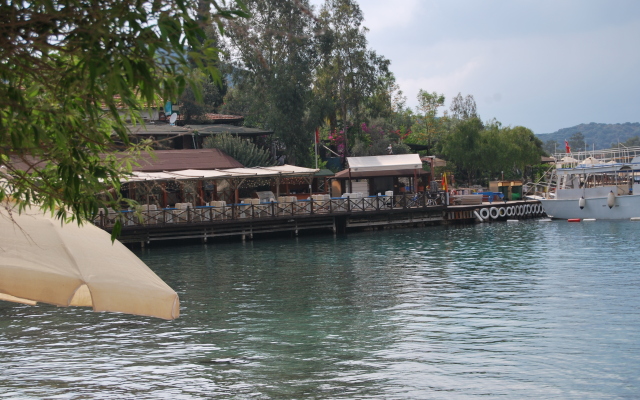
{"x": 337, "y": 215}
{"x": 246, "y": 220}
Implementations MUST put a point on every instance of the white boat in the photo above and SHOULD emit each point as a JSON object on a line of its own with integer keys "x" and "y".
{"x": 594, "y": 185}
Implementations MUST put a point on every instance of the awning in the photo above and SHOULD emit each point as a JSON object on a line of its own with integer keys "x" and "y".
{"x": 291, "y": 170}
{"x": 344, "y": 174}
{"x": 199, "y": 174}
{"x": 137, "y": 176}
{"x": 191, "y": 174}
{"x": 384, "y": 163}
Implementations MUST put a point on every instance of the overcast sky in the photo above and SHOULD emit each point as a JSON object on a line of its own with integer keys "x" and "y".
{"x": 544, "y": 64}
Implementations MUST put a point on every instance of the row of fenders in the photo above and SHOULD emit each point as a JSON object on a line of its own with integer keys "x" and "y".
{"x": 498, "y": 212}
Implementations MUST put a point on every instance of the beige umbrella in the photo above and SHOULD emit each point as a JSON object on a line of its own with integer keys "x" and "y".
{"x": 70, "y": 265}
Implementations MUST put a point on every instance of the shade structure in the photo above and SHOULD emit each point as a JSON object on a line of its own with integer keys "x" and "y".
{"x": 385, "y": 162}
{"x": 42, "y": 260}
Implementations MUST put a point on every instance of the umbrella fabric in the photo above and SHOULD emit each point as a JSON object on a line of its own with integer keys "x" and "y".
{"x": 42, "y": 260}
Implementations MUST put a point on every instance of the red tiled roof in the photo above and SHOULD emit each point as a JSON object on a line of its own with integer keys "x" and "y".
{"x": 175, "y": 160}
{"x": 166, "y": 160}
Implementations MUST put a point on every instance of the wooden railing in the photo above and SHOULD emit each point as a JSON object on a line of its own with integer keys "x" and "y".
{"x": 147, "y": 215}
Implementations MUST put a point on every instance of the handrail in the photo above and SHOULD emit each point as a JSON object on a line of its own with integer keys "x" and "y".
{"x": 239, "y": 212}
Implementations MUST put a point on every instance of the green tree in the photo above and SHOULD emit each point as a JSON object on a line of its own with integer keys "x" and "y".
{"x": 72, "y": 73}
{"x": 464, "y": 148}
{"x": 349, "y": 73}
{"x": 429, "y": 128}
{"x": 523, "y": 148}
{"x": 463, "y": 108}
{"x": 273, "y": 56}
{"x": 205, "y": 97}
{"x": 377, "y": 139}
{"x": 245, "y": 152}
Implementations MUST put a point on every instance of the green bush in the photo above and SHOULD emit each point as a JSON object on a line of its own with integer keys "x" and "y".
{"x": 247, "y": 153}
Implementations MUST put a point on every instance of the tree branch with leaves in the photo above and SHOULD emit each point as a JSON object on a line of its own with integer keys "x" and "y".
{"x": 73, "y": 73}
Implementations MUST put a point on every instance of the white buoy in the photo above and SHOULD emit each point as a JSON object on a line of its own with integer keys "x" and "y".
{"x": 581, "y": 202}
{"x": 635, "y": 219}
{"x": 545, "y": 220}
{"x": 589, "y": 219}
{"x": 611, "y": 199}
{"x": 513, "y": 220}
{"x": 494, "y": 212}
{"x": 475, "y": 212}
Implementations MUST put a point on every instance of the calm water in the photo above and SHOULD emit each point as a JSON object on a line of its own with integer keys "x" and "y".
{"x": 527, "y": 310}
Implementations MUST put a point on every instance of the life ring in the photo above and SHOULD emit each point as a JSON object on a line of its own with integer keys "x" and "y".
{"x": 509, "y": 211}
{"x": 520, "y": 210}
{"x": 538, "y": 209}
{"x": 494, "y": 212}
{"x": 484, "y": 213}
{"x": 502, "y": 212}
{"x": 528, "y": 209}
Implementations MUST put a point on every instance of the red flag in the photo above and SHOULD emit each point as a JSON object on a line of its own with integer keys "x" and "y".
{"x": 566, "y": 146}
{"x": 317, "y": 136}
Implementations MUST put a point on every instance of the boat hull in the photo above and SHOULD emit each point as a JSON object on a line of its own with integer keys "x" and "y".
{"x": 625, "y": 207}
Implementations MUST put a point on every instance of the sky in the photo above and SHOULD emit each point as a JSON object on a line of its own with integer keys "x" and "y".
{"x": 541, "y": 64}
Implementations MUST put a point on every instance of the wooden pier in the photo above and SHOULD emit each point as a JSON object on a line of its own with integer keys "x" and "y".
{"x": 337, "y": 215}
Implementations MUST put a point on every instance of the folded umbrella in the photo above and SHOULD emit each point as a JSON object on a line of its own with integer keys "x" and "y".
{"x": 42, "y": 260}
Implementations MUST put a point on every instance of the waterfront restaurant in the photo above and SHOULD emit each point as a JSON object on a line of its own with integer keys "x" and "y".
{"x": 200, "y": 176}
{"x": 397, "y": 173}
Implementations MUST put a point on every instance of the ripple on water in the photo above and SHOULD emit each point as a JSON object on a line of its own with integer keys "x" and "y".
{"x": 522, "y": 310}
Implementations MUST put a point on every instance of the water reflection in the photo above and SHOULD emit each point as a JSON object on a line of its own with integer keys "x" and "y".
{"x": 527, "y": 310}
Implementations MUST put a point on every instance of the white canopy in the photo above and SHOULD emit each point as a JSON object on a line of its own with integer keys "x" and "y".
{"x": 199, "y": 174}
{"x": 385, "y": 163}
{"x": 292, "y": 170}
{"x": 280, "y": 170}
{"x": 148, "y": 176}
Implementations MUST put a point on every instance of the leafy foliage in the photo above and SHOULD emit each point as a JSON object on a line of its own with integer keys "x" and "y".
{"x": 245, "y": 152}
{"x": 273, "y": 56}
{"x": 378, "y": 141}
{"x": 350, "y": 75}
{"x": 463, "y": 108}
{"x": 204, "y": 97}
{"x": 429, "y": 128}
{"x": 484, "y": 152}
{"x": 72, "y": 73}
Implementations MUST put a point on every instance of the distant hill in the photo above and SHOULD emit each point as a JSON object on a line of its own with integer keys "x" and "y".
{"x": 602, "y": 135}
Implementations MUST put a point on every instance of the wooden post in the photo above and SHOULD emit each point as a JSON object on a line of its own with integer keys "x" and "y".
{"x": 200, "y": 193}
{"x": 163, "y": 186}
